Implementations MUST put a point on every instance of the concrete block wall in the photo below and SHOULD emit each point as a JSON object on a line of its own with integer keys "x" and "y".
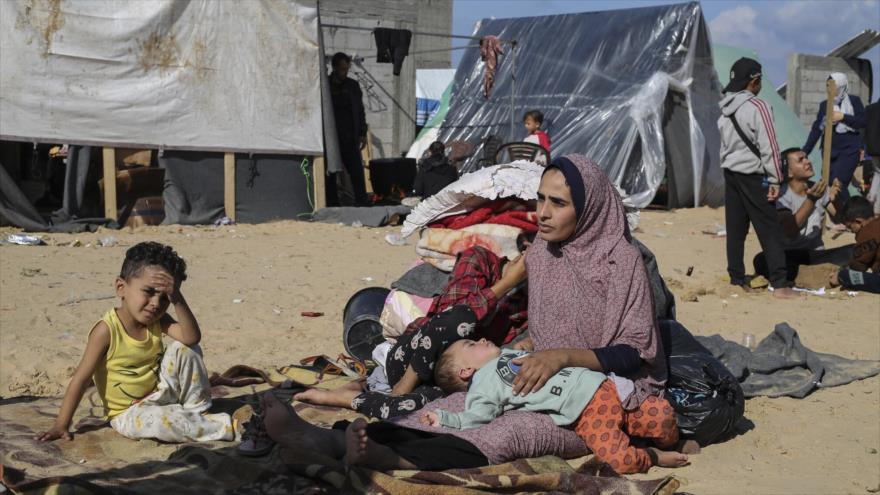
{"x": 806, "y": 82}
{"x": 392, "y": 127}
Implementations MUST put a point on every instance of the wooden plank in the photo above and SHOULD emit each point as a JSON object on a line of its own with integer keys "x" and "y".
{"x": 319, "y": 177}
{"x": 366, "y": 156}
{"x": 229, "y": 184}
{"x": 831, "y": 92}
{"x": 110, "y": 210}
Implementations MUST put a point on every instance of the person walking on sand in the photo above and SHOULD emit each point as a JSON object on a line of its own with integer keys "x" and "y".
{"x": 752, "y": 175}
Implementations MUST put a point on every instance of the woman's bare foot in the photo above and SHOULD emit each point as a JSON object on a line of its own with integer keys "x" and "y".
{"x": 669, "y": 459}
{"x": 361, "y": 451}
{"x": 340, "y": 397}
{"x": 289, "y": 430}
{"x": 688, "y": 447}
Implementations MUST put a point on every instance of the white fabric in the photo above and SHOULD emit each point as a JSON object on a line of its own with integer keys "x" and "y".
{"x": 432, "y": 83}
{"x": 842, "y": 102}
{"x": 177, "y": 410}
{"x": 625, "y": 387}
{"x": 196, "y": 74}
{"x": 378, "y": 379}
{"x": 518, "y": 179}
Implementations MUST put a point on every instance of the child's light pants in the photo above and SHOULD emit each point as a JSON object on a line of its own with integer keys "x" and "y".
{"x": 175, "y": 412}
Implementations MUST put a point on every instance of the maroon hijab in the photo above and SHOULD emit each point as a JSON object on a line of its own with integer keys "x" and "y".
{"x": 591, "y": 290}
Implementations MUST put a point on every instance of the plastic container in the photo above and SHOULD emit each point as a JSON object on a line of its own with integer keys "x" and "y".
{"x": 362, "y": 331}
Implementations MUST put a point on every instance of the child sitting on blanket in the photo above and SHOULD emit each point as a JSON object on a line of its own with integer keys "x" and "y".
{"x": 588, "y": 399}
{"x": 148, "y": 390}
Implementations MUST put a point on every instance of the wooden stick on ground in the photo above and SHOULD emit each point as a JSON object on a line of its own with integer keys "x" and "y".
{"x": 831, "y": 90}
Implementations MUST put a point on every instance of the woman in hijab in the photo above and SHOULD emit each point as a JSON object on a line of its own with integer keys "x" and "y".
{"x": 848, "y": 117}
{"x": 590, "y": 305}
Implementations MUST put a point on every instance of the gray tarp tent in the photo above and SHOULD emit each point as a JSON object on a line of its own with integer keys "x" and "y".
{"x": 185, "y": 77}
{"x": 633, "y": 89}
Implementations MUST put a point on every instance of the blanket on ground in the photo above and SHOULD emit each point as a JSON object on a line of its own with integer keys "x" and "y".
{"x": 100, "y": 461}
{"x": 781, "y": 365}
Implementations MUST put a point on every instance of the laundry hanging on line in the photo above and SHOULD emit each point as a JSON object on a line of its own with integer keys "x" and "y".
{"x": 392, "y": 46}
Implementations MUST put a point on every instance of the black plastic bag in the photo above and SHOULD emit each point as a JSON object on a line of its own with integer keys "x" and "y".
{"x": 707, "y": 398}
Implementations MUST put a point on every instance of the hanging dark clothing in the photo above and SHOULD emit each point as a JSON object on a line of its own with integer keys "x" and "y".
{"x": 435, "y": 173}
{"x": 392, "y": 46}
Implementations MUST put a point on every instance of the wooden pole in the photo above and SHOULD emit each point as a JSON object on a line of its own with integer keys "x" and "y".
{"x": 229, "y": 184}
{"x": 831, "y": 90}
{"x": 110, "y": 210}
{"x": 319, "y": 175}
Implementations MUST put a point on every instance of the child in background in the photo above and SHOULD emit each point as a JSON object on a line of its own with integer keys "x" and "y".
{"x": 588, "y": 399}
{"x": 148, "y": 390}
{"x": 858, "y": 216}
{"x": 532, "y": 121}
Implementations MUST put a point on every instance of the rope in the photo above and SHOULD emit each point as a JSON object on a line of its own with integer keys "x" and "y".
{"x": 304, "y": 168}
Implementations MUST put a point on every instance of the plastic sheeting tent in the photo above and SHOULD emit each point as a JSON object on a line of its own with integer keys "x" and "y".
{"x": 634, "y": 89}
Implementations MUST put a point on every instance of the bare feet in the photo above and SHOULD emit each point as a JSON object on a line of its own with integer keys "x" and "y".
{"x": 785, "y": 293}
{"x": 340, "y": 397}
{"x": 289, "y": 430}
{"x": 669, "y": 459}
{"x": 361, "y": 451}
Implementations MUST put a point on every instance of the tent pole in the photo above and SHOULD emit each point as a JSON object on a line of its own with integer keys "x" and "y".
{"x": 318, "y": 178}
{"x": 110, "y": 210}
{"x": 513, "y": 93}
{"x": 229, "y": 184}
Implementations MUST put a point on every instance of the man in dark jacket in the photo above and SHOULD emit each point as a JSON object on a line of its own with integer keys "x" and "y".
{"x": 351, "y": 125}
{"x": 435, "y": 172}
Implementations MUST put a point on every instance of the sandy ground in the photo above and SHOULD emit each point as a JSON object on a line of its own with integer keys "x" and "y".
{"x": 826, "y": 443}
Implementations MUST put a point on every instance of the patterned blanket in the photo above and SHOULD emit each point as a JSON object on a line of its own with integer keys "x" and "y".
{"x": 100, "y": 461}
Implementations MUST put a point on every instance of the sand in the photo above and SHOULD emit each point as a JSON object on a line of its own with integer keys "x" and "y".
{"x": 826, "y": 443}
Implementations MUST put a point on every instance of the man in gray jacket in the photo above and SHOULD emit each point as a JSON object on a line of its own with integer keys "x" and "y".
{"x": 752, "y": 174}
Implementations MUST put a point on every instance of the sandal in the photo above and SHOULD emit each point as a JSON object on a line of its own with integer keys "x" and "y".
{"x": 255, "y": 442}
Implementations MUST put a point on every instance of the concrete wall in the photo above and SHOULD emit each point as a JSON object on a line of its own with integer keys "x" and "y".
{"x": 393, "y": 129}
{"x": 806, "y": 82}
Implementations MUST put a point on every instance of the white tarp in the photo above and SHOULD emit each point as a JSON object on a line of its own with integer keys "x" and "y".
{"x": 191, "y": 74}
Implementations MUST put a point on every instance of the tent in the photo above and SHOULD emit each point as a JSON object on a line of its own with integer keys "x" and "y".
{"x": 231, "y": 88}
{"x": 634, "y": 89}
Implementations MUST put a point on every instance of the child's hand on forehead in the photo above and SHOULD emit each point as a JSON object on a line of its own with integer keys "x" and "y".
{"x": 162, "y": 281}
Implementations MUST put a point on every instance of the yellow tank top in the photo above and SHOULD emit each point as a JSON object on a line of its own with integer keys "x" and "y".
{"x": 130, "y": 370}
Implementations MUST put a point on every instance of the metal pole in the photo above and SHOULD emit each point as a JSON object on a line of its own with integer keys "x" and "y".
{"x": 513, "y": 93}
{"x": 418, "y": 33}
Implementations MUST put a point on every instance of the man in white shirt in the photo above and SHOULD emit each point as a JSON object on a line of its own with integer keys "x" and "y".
{"x": 801, "y": 208}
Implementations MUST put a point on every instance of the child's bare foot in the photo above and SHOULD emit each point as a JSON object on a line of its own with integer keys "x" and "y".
{"x": 340, "y": 397}
{"x": 289, "y": 430}
{"x": 669, "y": 459}
{"x": 361, "y": 451}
